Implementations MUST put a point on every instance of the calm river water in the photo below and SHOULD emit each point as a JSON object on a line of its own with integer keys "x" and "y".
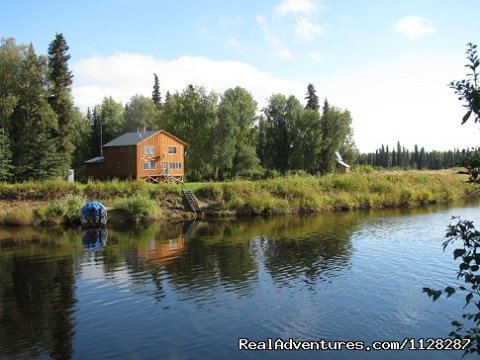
{"x": 189, "y": 291}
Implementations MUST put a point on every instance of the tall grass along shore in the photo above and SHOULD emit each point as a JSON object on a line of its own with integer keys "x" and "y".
{"x": 58, "y": 202}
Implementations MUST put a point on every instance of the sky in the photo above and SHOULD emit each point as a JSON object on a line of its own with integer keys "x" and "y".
{"x": 388, "y": 62}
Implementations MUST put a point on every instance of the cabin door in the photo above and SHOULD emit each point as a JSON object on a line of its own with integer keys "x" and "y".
{"x": 164, "y": 168}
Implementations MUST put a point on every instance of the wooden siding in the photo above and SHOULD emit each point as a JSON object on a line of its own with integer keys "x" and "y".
{"x": 160, "y": 142}
{"x": 96, "y": 170}
{"x": 117, "y": 160}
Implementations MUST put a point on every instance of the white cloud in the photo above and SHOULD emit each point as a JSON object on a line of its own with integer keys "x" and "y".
{"x": 414, "y": 27}
{"x": 315, "y": 55}
{"x": 123, "y": 75}
{"x": 296, "y": 7}
{"x": 277, "y": 47}
{"x": 409, "y": 102}
{"x": 307, "y": 29}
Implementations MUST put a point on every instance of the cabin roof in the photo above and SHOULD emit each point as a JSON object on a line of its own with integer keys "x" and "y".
{"x": 96, "y": 160}
{"x": 133, "y": 138}
{"x": 130, "y": 138}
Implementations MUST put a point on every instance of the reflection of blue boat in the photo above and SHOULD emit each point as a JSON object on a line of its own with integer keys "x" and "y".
{"x": 93, "y": 213}
{"x": 94, "y": 239}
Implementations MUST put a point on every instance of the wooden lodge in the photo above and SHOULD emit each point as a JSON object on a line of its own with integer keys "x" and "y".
{"x": 152, "y": 155}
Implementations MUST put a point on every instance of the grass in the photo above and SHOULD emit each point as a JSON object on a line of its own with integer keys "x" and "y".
{"x": 59, "y": 202}
{"x": 303, "y": 194}
{"x": 17, "y": 217}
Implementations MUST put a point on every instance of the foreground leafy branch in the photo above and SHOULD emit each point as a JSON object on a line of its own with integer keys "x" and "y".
{"x": 469, "y": 254}
{"x": 468, "y": 90}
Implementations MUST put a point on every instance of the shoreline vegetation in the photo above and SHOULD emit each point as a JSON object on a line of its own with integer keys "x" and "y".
{"x": 57, "y": 202}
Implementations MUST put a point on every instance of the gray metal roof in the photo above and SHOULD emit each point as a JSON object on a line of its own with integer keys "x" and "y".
{"x": 95, "y": 160}
{"x": 131, "y": 138}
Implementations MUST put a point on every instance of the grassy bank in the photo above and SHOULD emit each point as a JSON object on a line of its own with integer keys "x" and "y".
{"x": 55, "y": 202}
{"x": 336, "y": 192}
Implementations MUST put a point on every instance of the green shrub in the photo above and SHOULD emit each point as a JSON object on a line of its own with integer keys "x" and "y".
{"x": 65, "y": 210}
{"x": 139, "y": 208}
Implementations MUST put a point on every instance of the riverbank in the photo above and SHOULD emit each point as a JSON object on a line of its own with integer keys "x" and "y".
{"x": 58, "y": 202}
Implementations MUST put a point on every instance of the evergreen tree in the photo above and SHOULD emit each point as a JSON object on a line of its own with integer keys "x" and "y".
{"x": 156, "y": 96}
{"x": 61, "y": 98}
{"x": 312, "y": 98}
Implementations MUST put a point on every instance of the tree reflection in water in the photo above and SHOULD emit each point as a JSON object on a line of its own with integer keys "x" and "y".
{"x": 37, "y": 295}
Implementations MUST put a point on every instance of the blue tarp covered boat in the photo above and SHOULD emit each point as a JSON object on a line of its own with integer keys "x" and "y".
{"x": 93, "y": 213}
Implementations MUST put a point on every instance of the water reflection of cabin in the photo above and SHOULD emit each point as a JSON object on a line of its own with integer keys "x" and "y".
{"x": 162, "y": 252}
{"x": 152, "y": 155}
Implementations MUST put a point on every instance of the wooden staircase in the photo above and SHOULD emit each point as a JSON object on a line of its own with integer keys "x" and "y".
{"x": 191, "y": 201}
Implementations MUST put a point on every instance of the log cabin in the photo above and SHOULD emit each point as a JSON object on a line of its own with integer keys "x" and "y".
{"x": 152, "y": 155}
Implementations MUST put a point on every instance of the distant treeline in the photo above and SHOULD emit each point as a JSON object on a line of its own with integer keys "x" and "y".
{"x": 400, "y": 157}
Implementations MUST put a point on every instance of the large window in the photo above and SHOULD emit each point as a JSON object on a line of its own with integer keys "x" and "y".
{"x": 172, "y": 150}
{"x": 149, "y": 165}
{"x": 175, "y": 165}
{"x": 149, "y": 150}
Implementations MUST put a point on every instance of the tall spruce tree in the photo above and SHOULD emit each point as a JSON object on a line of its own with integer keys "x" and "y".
{"x": 60, "y": 97}
{"x": 312, "y": 98}
{"x": 156, "y": 96}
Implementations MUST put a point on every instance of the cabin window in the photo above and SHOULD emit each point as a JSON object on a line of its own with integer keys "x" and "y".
{"x": 175, "y": 165}
{"x": 149, "y": 165}
{"x": 130, "y": 166}
{"x": 172, "y": 149}
{"x": 149, "y": 150}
